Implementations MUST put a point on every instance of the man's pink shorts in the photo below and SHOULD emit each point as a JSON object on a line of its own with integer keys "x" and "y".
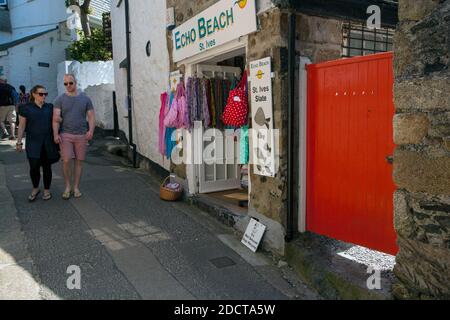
{"x": 73, "y": 147}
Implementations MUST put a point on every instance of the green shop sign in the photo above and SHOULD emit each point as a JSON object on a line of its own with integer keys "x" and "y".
{"x": 221, "y": 23}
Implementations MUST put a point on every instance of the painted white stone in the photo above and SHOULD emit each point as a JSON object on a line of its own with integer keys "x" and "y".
{"x": 150, "y": 75}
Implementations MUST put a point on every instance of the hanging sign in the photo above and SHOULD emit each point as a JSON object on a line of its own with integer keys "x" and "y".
{"x": 222, "y": 22}
{"x": 253, "y": 235}
{"x": 263, "y": 138}
{"x": 175, "y": 78}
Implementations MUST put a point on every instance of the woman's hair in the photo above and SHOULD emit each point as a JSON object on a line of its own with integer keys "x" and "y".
{"x": 34, "y": 90}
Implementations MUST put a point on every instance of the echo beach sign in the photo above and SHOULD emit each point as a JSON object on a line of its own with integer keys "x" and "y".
{"x": 221, "y": 23}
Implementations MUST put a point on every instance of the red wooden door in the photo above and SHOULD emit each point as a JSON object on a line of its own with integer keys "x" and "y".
{"x": 350, "y": 135}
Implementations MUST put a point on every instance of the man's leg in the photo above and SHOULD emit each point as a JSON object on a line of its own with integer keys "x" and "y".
{"x": 12, "y": 122}
{"x": 77, "y": 178}
{"x": 80, "y": 155}
{"x": 4, "y": 132}
{"x": 67, "y": 154}
{"x": 67, "y": 170}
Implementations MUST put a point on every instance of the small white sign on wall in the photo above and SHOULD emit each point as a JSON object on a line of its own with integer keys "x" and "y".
{"x": 263, "y": 140}
{"x": 253, "y": 235}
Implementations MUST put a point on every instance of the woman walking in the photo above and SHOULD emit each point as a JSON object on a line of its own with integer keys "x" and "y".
{"x": 36, "y": 121}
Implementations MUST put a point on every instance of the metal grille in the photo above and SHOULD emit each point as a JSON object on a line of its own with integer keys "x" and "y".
{"x": 358, "y": 40}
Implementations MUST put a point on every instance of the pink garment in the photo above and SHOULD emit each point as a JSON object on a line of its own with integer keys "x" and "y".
{"x": 183, "y": 112}
{"x": 162, "y": 129}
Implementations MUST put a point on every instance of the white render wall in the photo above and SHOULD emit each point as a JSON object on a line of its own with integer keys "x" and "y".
{"x": 150, "y": 75}
{"x": 33, "y": 16}
{"x": 21, "y": 63}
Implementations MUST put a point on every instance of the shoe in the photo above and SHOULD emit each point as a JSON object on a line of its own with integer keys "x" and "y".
{"x": 4, "y": 136}
{"x": 12, "y": 138}
{"x": 77, "y": 194}
{"x": 47, "y": 196}
{"x": 66, "y": 195}
{"x": 33, "y": 197}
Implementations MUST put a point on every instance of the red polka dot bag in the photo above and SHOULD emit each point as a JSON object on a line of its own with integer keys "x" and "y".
{"x": 236, "y": 110}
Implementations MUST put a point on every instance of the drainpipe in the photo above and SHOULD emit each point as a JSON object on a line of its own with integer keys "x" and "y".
{"x": 291, "y": 123}
{"x": 129, "y": 85}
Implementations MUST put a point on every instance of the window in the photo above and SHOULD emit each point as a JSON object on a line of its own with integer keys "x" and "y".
{"x": 3, "y": 2}
{"x": 358, "y": 40}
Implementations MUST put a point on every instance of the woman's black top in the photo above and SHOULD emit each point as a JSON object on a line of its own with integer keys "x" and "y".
{"x": 39, "y": 131}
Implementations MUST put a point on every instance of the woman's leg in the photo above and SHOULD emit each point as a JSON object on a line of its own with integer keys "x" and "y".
{"x": 47, "y": 170}
{"x": 35, "y": 172}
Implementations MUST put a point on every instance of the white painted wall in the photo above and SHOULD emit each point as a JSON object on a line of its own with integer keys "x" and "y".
{"x": 150, "y": 75}
{"x": 22, "y": 61}
{"x": 33, "y": 16}
{"x": 5, "y": 37}
{"x": 102, "y": 99}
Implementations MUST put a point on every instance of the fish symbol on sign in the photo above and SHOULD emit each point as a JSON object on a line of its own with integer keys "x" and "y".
{"x": 260, "y": 155}
{"x": 260, "y": 118}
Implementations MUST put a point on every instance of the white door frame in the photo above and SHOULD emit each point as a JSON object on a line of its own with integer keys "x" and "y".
{"x": 303, "y": 135}
{"x": 192, "y": 171}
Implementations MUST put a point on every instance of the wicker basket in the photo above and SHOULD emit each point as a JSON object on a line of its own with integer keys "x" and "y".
{"x": 168, "y": 194}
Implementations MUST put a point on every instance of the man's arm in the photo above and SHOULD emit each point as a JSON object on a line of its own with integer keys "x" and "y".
{"x": 56, "y": 124}
{"x": 91, "y": 121}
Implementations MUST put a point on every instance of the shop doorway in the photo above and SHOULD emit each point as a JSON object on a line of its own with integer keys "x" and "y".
{"x": 222, "y": 178}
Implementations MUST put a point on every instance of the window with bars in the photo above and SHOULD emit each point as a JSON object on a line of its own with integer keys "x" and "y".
{"x": 358, "y": 40}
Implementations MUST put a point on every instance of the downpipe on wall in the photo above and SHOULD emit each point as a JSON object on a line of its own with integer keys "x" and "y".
{"x": 291, "y": 123}
{"x": 129, "y": 85}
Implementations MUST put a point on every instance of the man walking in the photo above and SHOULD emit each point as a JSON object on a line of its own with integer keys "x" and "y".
{"x": 7, "y": 109}
{"x": 71, "y": 132}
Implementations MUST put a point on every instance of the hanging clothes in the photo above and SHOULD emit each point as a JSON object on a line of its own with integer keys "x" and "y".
{"x": 189, "y": 101}
{"x": 162, "y": 129}
{"x": 170, "y": 145}
{"x": 244, "y": 147}
{"x": 212, "y": 103}
{"x": 205, "y": 106}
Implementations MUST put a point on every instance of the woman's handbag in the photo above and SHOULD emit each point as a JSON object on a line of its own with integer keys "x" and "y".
{"x": 236, "y": 110}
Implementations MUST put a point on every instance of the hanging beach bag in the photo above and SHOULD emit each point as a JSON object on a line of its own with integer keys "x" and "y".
{"x": 171, "y": 119}
{"x": 236, "y": 110}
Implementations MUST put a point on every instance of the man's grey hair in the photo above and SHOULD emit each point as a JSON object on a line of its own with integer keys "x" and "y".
{"x": 3, "y": 78}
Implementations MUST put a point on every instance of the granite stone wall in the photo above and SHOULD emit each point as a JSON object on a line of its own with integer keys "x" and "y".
{"x": 422, "y": 157}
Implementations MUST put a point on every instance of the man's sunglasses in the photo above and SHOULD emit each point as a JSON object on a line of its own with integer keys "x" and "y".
{"x": 67, "y": 83}
{"x": 41, "y": 94}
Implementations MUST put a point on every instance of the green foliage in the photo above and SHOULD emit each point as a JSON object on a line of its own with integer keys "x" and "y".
{"x": 90, "y": 49}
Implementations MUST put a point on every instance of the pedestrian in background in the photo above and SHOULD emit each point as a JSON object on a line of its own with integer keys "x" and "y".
{"x": 8, "y": 102}
{"x": 36, "y": 121}
{"x": 24, "y": 98}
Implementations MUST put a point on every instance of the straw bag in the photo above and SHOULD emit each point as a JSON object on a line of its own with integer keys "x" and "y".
{"x": 167, "y": 193}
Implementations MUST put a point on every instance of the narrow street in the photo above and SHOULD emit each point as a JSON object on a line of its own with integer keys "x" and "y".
{"x": 127, "y": 243}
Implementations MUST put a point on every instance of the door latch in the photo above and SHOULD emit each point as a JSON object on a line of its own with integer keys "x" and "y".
{"x": 390, "y": 159}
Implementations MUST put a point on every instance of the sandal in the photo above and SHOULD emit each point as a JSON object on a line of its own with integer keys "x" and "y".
{"x": 47, "y": 196}
{"x": 66, "y": 195}
{"x": 77, "y": 194}
{"x": 33, "y": 197}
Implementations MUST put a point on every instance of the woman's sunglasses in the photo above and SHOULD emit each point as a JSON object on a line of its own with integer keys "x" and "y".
{"x": 42, "y": 94}
{"x": 67, "y": 83}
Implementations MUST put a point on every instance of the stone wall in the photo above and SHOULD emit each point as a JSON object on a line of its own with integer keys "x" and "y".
{"x": 319, "y": 39}
{"x": 422, "y": 157}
